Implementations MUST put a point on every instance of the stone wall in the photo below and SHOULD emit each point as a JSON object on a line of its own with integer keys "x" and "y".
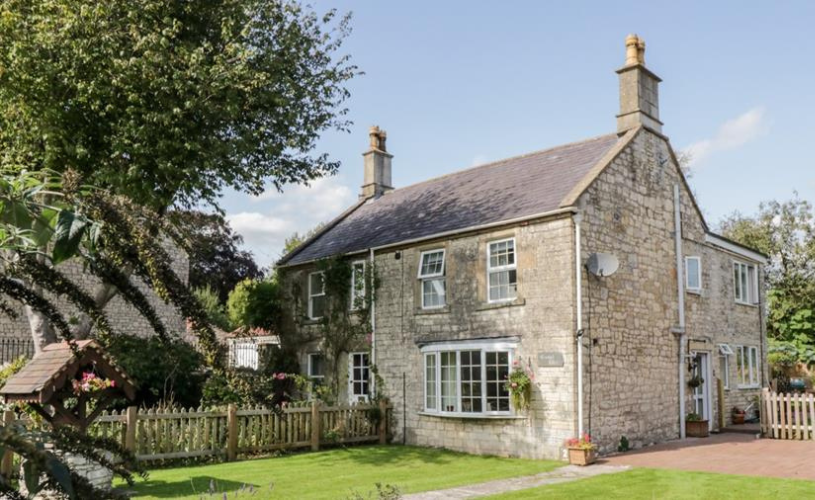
{"x": 631, "y": 360}
{"x": 123, "y": 317}
{"x": 632, "y": 363}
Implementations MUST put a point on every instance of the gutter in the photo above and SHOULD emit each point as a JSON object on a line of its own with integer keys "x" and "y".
{"x": 578, "y": 270}
{"x": 680, "y": 290}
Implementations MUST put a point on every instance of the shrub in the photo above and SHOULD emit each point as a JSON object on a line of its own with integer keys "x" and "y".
{"x": 167, "y": 372}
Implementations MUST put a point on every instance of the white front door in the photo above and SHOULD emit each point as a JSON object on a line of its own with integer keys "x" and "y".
{"x": 701, "y": 393}
{"x": 358, "y": 377}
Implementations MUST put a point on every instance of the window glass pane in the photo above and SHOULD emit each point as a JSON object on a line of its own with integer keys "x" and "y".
{"x": 502, "y": 253}
{"x": 449, "y": 382}
{"x": 753, "y": 366}
{"x": 724, "y": 370}
{"x": 503, "y": 285}
{"x": 496, "y": 371}
{"x": 432, "y": 264}
{"x": 693, "y": 273}
{"x": 750, "y": 296}
{"x": 318, "y": 306}
{"x": 430, "y": 382}
{"x": 358, "y": 286}
{"x": 315, "y": 365}
{"x": 471, "y": 381}
{"x": 737, "y": 281}
{"x": 316, "y": 285}
{"x": 433, "y": 293}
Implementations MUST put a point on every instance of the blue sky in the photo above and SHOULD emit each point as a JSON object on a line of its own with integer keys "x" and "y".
{"x": 456, "y": 84}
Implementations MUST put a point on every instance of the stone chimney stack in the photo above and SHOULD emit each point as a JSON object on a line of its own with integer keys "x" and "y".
{"x": 377, "y": 179}
{"x": 639, "y": 90}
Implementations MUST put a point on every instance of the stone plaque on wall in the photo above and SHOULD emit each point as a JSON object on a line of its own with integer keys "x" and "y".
{"x": 550, "y": 359}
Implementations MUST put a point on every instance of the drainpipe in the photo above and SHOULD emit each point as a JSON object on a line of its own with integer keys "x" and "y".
{"x": 578, "y": 271}
{"x": 680, "y": 290}
{"x": 373, "y": 318}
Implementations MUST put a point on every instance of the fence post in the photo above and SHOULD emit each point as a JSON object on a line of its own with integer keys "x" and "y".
{"x": 7, "y": 463}
{"x": 383, "y": 421}
{"x": 315, "y": 425}
{"x": 231, "y": 432}
{"x": 131, "y": 420}
{"x": 722, "y": 406}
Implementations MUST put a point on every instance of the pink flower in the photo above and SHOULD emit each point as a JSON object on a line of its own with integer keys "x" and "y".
{"x": 514, "y": 385}
{"x": 280, "y": 376}
{"x": 113, "y": 383}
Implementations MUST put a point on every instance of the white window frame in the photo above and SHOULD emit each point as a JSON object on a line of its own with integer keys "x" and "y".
{"x": 354, "y": 296}
{"x": 688, "y": 287}
{"x": 311, "y": 294}
{"x": 353, "y": 396}
{"x": 484, "y": 347}
{"x": 725, "y": 353}
{"x": 750, "y": 295}
{"x": 498, "y": 269}
{"x": 310, "y": 366}
{"x": 749, "y": 374}
{"x": 433, "y": 276}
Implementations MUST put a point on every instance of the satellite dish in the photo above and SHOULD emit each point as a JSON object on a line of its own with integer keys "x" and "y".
{"x": 602, "y": 264}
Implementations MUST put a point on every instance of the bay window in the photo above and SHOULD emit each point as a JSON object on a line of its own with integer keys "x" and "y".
{"x": 502, "y": 274}
{"x": 467, "y": 378}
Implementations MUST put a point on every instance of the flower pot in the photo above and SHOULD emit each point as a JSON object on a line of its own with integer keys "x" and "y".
{"x": 697, "y": 428}
{"x": 582, "y": 456}
{"x": 738, "y": 418}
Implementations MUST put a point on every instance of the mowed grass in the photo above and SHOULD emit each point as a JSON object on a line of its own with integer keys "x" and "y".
{"x": 651, "y": 484}
{"x": 336, "y": 474}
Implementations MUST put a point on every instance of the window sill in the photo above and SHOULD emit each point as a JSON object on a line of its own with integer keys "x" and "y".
{"x": 435, "y": 310}
{"x": 472, "y": 417}
{"x": 746, "y": 304}
{"x": 749, "y": 387}
{"x": 694, "y": 291}
{"x": 486, "y": 306}
{"x": 311, "y": 321}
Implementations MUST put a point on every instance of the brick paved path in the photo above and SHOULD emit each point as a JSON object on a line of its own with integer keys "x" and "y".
{"x": 728, "y": 454}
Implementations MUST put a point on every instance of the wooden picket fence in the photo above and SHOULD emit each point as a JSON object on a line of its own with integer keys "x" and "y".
{"x": 787, "y": 416}
{"x": 159, "y": 435}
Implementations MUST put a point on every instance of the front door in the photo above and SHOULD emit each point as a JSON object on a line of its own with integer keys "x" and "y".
{"x": 701, "y": 393}
{"x": 358, "y": 377}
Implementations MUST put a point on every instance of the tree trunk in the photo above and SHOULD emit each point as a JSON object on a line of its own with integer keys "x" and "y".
{"x": 102, "y": 295}
{"x": 41, "y": 331}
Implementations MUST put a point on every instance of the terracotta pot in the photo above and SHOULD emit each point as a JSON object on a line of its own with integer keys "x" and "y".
{"x": 738, "y": 418}
{"x": 698, "y": 429}
{"x": 579, "y": 456}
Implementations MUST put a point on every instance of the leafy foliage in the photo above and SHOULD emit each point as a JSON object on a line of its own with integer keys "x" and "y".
{"x": 255, "y": 304}
{"x": 216, "y": 312}
{"x": 216, "y": 260}
{"x": 786, "y": 232}
{"x": 165, "y": 372}
{"x": 171, "y": 102}
{"x": 249, "y": 388}
{"x": 47, "y": 470}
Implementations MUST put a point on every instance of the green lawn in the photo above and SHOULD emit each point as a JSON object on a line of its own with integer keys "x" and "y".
{"x": 335, "y": 474}
{"x": 648, "y": 484}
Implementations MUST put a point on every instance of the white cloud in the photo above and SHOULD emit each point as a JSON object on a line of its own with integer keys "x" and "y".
{"x": 731, "y": 135}
{"x": 278, "y": 215}
{"x": 478, "y": 160}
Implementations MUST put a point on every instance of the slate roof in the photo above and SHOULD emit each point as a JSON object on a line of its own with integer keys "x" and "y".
{"x": 508, "y": 189}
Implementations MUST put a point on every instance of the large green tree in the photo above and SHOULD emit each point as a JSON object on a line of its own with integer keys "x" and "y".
{"x": 785, "y": 231}
{"x": 168, "y": 103}
{"x": 216, "y": 260}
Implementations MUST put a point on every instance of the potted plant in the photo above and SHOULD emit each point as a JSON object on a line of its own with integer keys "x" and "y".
{"x": 519, "y": 386}
{"x": 696, "y": 426}
{"x": 582, "y": 451}
{"x": 695, "y": 381}
{"x": 738, "y": 416}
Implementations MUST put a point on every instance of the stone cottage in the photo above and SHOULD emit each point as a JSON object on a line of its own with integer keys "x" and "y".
{"x": 588, "y": 265}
